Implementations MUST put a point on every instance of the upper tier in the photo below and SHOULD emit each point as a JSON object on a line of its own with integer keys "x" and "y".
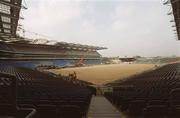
{"x": 26, "y": 50}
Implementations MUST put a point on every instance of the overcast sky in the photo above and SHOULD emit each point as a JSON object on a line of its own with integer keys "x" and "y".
{"x": 125, "y": 27}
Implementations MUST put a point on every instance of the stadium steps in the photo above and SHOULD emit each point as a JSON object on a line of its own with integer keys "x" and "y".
{"x": 100, "y": 107}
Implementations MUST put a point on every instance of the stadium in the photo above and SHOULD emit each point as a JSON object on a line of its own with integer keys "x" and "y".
{"x": 44, "y": 79}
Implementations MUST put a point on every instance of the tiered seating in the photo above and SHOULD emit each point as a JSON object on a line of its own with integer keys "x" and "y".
{"x": 151, "y": 94}
{"x": 8, "y": 107}
{"x": 34, "y": 48}
{"x": 45, "y": 50}
{"x": 5, "y": 47}
{"x": 52, "y": 96}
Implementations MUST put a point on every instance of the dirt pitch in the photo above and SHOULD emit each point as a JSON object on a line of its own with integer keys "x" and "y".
{"x": 99, "y": 74}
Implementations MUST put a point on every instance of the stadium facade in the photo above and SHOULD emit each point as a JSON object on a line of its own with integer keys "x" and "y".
{"x": 175, "y": 11}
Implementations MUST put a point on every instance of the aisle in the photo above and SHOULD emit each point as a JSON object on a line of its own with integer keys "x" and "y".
{"x": 100, "y": 107}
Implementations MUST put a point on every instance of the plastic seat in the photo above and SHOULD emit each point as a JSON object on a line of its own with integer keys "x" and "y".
{"x": 155, "y": 111}
{"x": 46, "y": 111}
{"x": 136, "y": 107}
{"x": 70, "y": 111}
{"x": 157, "y": 102}
{"x": 6, "y": 109}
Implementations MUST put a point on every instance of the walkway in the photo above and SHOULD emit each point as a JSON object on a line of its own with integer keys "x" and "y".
{"x": 100, "y": 107}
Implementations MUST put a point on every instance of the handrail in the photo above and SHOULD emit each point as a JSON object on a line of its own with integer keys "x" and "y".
{"x": 31, "y": 114}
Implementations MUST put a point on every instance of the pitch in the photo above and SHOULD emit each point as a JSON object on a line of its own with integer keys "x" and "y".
{"x": 100, "y": 74}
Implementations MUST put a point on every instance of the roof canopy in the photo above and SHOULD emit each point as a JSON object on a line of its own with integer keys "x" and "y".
{"x": 9, "y": 16}
{"x": 76, "y": 46}
{"x": 64, "y": 45}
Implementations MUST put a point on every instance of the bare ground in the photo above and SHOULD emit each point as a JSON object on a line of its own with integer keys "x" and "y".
{"x": 99, "y": 74}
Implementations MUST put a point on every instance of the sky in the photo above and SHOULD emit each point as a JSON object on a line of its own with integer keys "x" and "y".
{"x": 125, "y": 27}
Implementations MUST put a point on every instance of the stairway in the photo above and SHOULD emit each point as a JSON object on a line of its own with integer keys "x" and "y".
{"x": 100, "y": 107}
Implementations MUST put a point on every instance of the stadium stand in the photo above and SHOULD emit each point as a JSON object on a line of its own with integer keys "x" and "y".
{"x": 32, "y": 49}
{"x": 3, "y": 46}
{"x": 50, "y": 95}
{"x": 32, "y": 55}
{"x": 151, "y": 94}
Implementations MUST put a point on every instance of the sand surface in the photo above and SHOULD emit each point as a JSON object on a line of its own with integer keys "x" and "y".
{"x": 99, "y": 74}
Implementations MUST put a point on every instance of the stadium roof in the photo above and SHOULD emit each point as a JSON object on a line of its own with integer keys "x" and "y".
{"x": 9, "y": 16}
{"x": 176, "y": 12}
{"x": 63, "y": 45}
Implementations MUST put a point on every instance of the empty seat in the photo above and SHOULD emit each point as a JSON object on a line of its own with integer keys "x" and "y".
{"x": 26, "y": 106}
{"x": 175, "y": 112}
{"x": 157, "y": 102}
{"x": 82, "y": 105}
{"x": 136, "y": 107}
{"x": 6, "y": 109}
{"x": 175, "y": 97}
{"x": 158, "y": 87}
{"x": 46, "y": 111}
{"x": 70, "y": 111}
{"x": 155, "y": 111}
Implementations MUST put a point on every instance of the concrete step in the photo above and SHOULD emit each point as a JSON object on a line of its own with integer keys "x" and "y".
{"x": 100, "y": 107}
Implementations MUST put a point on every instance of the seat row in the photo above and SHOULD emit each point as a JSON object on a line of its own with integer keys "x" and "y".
{"x": 151, "y": 94}
{"x": 50, "y": 95}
